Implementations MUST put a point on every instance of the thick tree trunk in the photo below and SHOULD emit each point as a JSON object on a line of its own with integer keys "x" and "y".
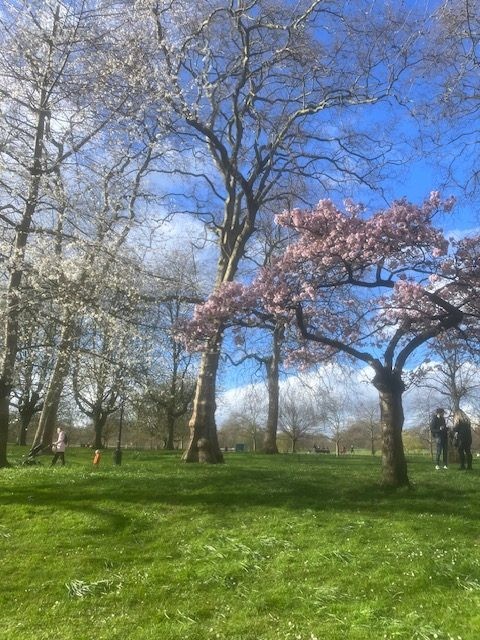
{"x": 203, "y": 445}
{"x": 11, "y": 323}
{"x": 394, "y": 465}
{"x": 455, "y": 402}
{"x": 48, "y": 418}
{"x": 273, "y": 366}
{"x": 22, "y": 432}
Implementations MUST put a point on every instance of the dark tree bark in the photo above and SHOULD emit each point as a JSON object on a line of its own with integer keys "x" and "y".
{"x": 99, "y": 420}
{"x": 12, "y": 314}
{"x": 394, "y": 465}
{"x": 27, "y": 408}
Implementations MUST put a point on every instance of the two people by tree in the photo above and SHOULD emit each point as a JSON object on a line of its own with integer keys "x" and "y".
{"x": 462, "y": 437}
{"x": 462, "y": 433}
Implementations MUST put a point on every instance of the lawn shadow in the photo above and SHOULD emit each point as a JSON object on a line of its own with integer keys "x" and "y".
{"x": 295, "y": 483}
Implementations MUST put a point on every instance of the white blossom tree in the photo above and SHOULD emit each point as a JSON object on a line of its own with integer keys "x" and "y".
{"x": 64, "y": 79}
{"x": 89, "y": 269}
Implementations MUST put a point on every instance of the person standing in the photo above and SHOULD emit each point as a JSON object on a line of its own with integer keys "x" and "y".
{"x": 59, "y": 447}
{"x": 439, "y": 431}
{"x": 462, "y": 433}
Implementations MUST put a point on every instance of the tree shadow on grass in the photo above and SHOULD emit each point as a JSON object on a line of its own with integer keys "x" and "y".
{"x": 292, "y": 483}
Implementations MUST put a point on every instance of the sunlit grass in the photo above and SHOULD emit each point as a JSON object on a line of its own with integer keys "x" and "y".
{"x": 273, "y": 548}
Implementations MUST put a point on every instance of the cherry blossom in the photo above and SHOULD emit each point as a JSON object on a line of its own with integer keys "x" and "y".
{"x": 372, "y": 288}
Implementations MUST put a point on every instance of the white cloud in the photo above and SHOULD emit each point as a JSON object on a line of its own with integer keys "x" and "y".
{"x": 352, "y": 387}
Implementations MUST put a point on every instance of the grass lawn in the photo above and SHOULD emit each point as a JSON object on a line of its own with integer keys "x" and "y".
{"x": 289, "y": 547}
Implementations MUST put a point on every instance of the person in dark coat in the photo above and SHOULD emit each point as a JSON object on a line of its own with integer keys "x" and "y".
{"x": 439, "y": 431}
{"x": 462, "y": 434}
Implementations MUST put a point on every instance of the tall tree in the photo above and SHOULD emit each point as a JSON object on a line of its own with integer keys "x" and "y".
{"x": 335, "y": 404}
{"x": 263, "y": 97}
{"x": 34, "y": 363}
{"x": 370, "y": 423}
{"x": 107, "y": 354}
{"x": 84, "y": 261}
{"x": 59, "y": 87}
{"x": 268, "y": 353}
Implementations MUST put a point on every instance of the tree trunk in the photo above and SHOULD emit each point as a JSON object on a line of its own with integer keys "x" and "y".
{"x": 99, "y": 421}
{"x": 453, "y": 455}
{"x": 48, "y": 417}
{"x": 22, "y": 432}
{"x": 273, "y": 365}
{"x": 169, "y": 441}
{"x": 202, "y": 423}
{"x": 26, "y": 415}
{"x": 394, "y": 465}
{"x": 11, "y": 322}
{"x": 4, "y": 421}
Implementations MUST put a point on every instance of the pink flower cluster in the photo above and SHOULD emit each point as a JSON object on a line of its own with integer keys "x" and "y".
{"x": 355, "y": 276}
{"x": 330, "y": 237}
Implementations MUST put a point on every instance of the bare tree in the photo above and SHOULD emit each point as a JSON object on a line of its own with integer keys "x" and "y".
{"x": 335, "y": 410}
{"x": 451, "y": 372}
{"x": 450, "y": 110}
{"x": 99, "y": 211}
{"x": 299, "y": 416}
{"x": 251, "y": 416}
{"x": 369, "y": 415}
{"x": 99, "y": 369}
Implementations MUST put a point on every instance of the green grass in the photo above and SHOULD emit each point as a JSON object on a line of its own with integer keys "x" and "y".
{"x": 261, "y": 548}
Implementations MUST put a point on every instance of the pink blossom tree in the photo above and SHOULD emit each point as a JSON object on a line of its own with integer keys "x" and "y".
{"x": 370, "y": 288}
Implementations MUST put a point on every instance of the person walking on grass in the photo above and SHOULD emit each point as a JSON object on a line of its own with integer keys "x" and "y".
{"x": 462, "y": 434}
{"x": 59, "y": 447}
{"x": 439, "y": 431}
